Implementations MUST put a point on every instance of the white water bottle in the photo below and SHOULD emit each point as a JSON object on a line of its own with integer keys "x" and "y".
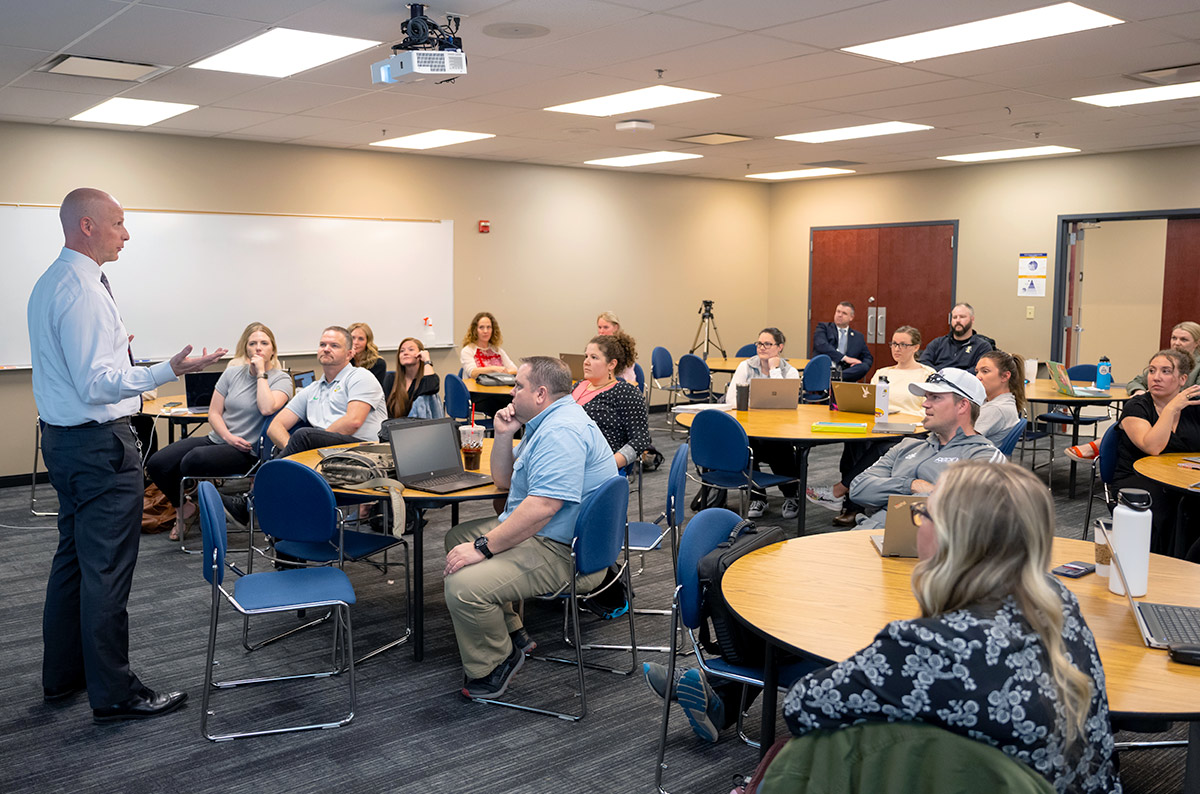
{"x": 1130, "y": 541}
{"x": 881, "y": 398}
{"x": 429, "y": 335}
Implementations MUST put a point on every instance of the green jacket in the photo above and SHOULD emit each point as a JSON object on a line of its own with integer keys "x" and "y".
{"x": 896, "y": 758}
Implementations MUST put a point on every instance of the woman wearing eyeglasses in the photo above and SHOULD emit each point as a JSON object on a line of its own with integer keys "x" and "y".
{"x": 780, "y": 455}
{"x": 1000, "y": 652}
{"x": 856, "y": 458}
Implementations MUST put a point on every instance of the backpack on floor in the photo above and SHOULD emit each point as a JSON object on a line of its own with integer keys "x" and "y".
{"x": 721, "y": 634}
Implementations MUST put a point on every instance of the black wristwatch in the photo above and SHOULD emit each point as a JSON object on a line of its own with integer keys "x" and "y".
{"x": 482, "y": 547}
{"x": 263, "y": 376}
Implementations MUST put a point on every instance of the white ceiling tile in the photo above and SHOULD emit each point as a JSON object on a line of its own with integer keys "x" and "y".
{"x": 1186, "y": 25}
{"x": 197, "y": 86}
{"x": 378, "y": 20}
{"x": 484, "y": 78}
{"x": 762, "y": 15}
{"x": 618, "y": 43}
{"x": 289, "y": 96}
{"x": 146, "y": 34}
{"x": 52, "y": 24}
{"x": 742, "y": 51}
{"x": 268, "y": 11}
{"x": 44, "y": 104}
{"x": 564, "y": 18}
{"x": 15, "y": 61}
{"x": 560, "y": 90}
{"x": 291, "y": 127}
{"x": 1135, "y": 9}
{"x": 455, "y": 115}
{"x": 216, "y": 120}
{"x": 370, "y": 107}
{"x": 347, "y": 135}
{"x": 873, "y": 82}
{"x": 1121, "y": 61}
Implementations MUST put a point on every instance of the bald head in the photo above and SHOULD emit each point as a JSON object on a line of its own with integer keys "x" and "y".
{"x": 93, "y": 224}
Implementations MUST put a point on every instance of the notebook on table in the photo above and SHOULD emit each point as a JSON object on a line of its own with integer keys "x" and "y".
{"x": 1161, "y": 625}
{"x": 857, "y": 398}
{"x": 899, "y": 538}
{"x": 1059, "y": 373}
{"x": 198, "y": 388}
{"x": 575, "y": 362}
{"x": 429, "y": 458}
{"x": 781, "y": 394}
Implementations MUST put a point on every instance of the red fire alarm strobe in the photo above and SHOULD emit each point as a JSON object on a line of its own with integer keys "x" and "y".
{"x": 485, "y": 227}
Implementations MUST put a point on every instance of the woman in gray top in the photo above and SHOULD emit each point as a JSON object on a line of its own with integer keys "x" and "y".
{"x": 252, "y": 387}
{"x": 1003, "y": 379}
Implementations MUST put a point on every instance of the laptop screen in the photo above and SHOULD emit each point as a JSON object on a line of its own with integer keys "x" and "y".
{"x": 425, "y": 448}
{"x": 199, "y": 388}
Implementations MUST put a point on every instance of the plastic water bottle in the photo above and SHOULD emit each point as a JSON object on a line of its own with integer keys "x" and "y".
{"x": 429, "y": 335}
{"x": 1104, "y": 373}
{"x": 1130, "y": 541}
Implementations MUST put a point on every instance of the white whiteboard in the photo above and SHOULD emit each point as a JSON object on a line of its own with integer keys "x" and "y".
{"x": 200, "y": 278}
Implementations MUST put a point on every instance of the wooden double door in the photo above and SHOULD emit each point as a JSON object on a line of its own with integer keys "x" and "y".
{"x": 894, "y": 276}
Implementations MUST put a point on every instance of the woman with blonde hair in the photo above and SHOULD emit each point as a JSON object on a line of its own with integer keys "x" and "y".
{"x": 1000, "y": 653}
{"x": 415, "y": 389}
{"x": 481, "y": 352}
{"x": 252, "y": 387}
{"x": 607, "y": 324}
{"x": 366, "y": 353}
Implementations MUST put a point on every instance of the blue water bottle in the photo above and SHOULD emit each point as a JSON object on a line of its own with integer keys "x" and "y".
{"x": 1104, "y": 373}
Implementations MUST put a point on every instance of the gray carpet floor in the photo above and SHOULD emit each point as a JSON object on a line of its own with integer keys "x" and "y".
{"x": 411, "y": 730}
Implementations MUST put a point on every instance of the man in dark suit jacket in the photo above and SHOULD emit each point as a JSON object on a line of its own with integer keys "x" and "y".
{"x": 851, "y": 354}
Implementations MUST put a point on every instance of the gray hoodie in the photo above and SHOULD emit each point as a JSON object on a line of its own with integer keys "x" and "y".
{"x": 915, "y": 459}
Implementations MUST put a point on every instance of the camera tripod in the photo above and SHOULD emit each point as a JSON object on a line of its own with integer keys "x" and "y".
{"x": 708, "y": 327}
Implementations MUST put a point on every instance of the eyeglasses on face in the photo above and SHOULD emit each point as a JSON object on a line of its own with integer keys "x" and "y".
{"x": 763, "y": 345}
{"x": 902, "y": 344}
{"x": 937, "y": 377}
{"x": 919, "y": 514}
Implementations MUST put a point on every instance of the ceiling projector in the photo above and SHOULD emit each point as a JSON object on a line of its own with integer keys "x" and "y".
{"x": 428, "y": 49}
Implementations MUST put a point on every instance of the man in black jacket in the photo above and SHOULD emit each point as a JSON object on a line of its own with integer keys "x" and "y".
{"x": 962, "y": 347}
{"x": 845, "y": 346}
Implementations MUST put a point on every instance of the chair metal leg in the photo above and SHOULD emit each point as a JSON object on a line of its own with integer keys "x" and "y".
{"x": 408, "y": 627}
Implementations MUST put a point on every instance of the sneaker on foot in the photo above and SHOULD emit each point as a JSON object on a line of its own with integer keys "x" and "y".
{"x": 704, "y": 709}
{"x": 1084, "y": 452}
{"x": 236, "y": 509}
{"x": 791, "y": 508}
{"x": 656, "y": 678}
{"x": 495, "y": 683}
{"x": 823, "y": 497}
{"x": 521, "y": 640}
{"x": 757, "y": 508}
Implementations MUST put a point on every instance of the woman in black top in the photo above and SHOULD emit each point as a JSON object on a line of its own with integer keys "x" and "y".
{"x": 415, "y": 390}
{"x": 615, "y": 405}
{"x": 1164, "y": 418}
{"x": 366, "y": 353}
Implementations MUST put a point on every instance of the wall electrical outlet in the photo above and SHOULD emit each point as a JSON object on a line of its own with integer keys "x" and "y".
{"x": 1028, "y": 312}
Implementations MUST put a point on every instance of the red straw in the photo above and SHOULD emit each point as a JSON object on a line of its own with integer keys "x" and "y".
{"x": 472, "y": 414}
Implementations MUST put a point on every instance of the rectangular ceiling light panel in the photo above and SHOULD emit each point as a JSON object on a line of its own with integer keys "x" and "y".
{"x": 629, "y": 101}
{"x": 1008, "y": 154}
{"x": 851, "y": 133}
{"x": 1037, "y": 23}
{"x": 802, "y": 174}
{"x": 648, "y": 158}
{"x": 433, "y": 139}
{"x": 132, "y": 112}
{"x": 281, "y": 52}
{"x": 1140, "y": 96}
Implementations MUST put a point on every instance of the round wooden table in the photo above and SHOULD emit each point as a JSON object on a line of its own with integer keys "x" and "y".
{"x": 796, "y": 426}
{"x": 475, "y": 388}
{"x": 730, "y": 365}
{"x": 1046, "y": 391}
{"x": 176, "y": 415}
{"x": 310, "y": 457}
{"x": 1166, "y": 470}
{"x": 828, "y": 595}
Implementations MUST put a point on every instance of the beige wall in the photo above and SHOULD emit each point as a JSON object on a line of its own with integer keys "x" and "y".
{"x": 1122, "y": 277}
{"x": 1003, "y": 209}
{"x": 565, "y": 243}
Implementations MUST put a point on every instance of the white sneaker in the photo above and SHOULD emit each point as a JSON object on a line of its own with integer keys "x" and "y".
{"x": 791, "y": 508}
{"x": 757, "y": 508}
{"x": 823, "y": 497}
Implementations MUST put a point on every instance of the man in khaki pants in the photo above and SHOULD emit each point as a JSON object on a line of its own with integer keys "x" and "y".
{"x": 526, "y": 551}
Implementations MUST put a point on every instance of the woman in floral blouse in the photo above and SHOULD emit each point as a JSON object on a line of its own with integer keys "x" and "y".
{"x": 1000, "y": 654}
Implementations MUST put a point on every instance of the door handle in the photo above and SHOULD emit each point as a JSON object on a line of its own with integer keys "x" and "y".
{"x": 881, "y": 327}
{"x": 870, "y": 323}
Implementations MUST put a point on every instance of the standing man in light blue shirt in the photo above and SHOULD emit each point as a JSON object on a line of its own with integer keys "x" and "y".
{"x": 86, "y": 389}
{"x": 526, "y": 551}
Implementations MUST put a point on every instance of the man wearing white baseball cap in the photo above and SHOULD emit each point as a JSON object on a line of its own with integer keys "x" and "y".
{"x": 952, "y": 401}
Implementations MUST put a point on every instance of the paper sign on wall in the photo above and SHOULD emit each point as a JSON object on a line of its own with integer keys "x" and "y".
{"x": 1031, "y": 275}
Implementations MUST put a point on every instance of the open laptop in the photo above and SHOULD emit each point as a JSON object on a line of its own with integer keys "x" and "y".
{"x": 198, "y": 388}
{"x": 857, "y": 398}
{"x": 575, "y": 362}
{"x": 774, "y": 393}
{"x": 1059, "y": 373}
{"x": 899, "y": 538}
{"x": 302, "y": 379}
{"x": 1161, "y": 625}
{"x": 428, "y": 456}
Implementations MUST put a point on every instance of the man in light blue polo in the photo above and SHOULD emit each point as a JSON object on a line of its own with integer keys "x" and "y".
{"x": 344, "y": 406}
{"x": 526, "y": 551}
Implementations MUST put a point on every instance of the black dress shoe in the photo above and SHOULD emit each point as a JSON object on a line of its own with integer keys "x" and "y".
{"x": 142, "y": 706}
{"x": 59, "y": 694}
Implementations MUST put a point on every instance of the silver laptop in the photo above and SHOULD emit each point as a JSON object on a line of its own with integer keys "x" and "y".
{"x": 1161, "y": 625}
{"x": 428, "y": 456}
{"x": 781, "y": 394}
{"x": 575, "y": 362}
{"x": 899, "y": 538}
{"x": 857, "y": 398}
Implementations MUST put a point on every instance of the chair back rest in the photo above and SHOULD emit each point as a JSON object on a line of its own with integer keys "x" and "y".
{"x": 266, "y": 447}
{"x": 719, "y": 442}
{"x": 293, "y": 502}
{"x": 704, "y": 532}
{"x": 660, "y": 363}
{"x": 389, "y": 380}
{"x": 816, "y": 374}
{"x": 676, "y": 486}
{"x": 745, "y": 351}
{"x": 600, "y": 527}
{"x": 458, "y": 399}
{"x": 1085, "y": 372}
{"x": 1110, "y": 442}
{"x": 694, "y": 374}
{"x": 1009, "y": 442}
{"x": 640, "y": 376}
{"x": 213, "y": 532}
